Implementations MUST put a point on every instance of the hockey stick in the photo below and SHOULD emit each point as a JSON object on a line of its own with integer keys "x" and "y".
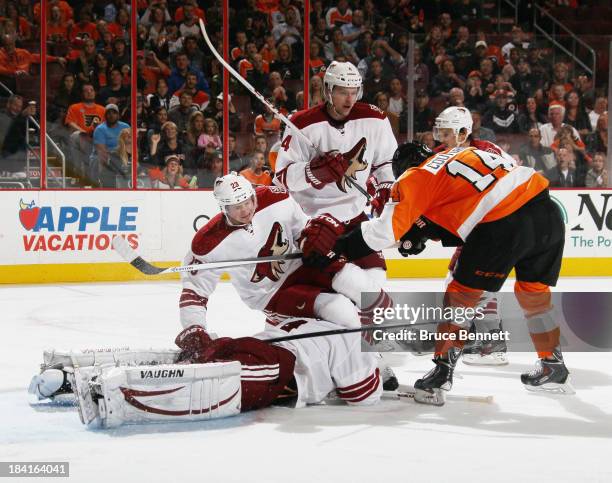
{"x": 261, "y": 98}
{"x": 128, "y": 254}
{"x": 364, "y": 328}
{"x": 408, "y": 392}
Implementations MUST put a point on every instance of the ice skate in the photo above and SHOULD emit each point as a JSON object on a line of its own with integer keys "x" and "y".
{"x": 430, "y": 389}
{"x": 549, "y": 375}
{"x": 487, "y": 353}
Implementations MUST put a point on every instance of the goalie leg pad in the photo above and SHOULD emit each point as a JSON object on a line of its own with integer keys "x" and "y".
{"x": 164, "y": 393}
{"x": 58, "y": 359}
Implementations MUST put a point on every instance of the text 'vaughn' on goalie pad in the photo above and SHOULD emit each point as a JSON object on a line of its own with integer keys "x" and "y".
{"x": 110, "y": 397}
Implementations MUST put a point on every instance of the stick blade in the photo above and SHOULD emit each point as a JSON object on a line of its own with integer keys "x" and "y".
{"x": 123, "y": 248}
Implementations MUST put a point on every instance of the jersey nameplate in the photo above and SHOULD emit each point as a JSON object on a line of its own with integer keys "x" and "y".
{"x": 434, "y": 165}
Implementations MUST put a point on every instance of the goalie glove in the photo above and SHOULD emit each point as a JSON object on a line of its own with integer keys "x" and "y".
{"x": 326, "y": 168}
{"x": 318, "y": 239}
{"x": 383, "y": 193}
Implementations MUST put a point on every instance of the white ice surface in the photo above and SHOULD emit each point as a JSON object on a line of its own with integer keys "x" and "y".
{"x": 521, "y": 437}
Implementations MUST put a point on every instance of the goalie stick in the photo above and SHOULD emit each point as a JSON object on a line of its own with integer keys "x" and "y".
{"x": 262, "y": 99}
{"x": 122, "y": 247}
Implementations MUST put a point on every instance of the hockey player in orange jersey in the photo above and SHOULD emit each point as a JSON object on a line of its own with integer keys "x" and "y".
{"x": 503, "y": 215}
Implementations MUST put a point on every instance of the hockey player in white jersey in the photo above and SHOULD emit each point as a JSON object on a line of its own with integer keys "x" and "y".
{"x": 211, "y": 378}
{"x": 354, "y": 141}
{"x": 263, "y": 222}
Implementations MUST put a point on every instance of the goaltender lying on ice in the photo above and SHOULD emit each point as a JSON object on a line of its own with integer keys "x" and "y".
{"x": 212, "y": 378}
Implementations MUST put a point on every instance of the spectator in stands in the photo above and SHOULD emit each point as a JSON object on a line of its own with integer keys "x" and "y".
{"x": 338, "y": 47}
{"x": 462, "y": 51}
{"x": 197, "y": 59}
{"x": 83, "y": 29}
{"x": 258, "y": 75}
{"x": 427, "y": 139}
{"x": 597, "y": 176}
{"x": 161, "y": 97}
{"x": 171, "y": 176}
{"x": 556, "y": 112}
{"x": 339, "y": 15}
{"x": 165, "y": 144}
{"x": 524, "y": 82}
{"x": 446, "y": 79}
{"x": 15, "y": 62}
{"x": 479, "y": 131}
{"x": 67, "y": 94}
{"x": 215, "y": 111}
{"x": 198, "y": 98}
{"x": 465, "y": 10}
{"x": 82, "y": 118}
{"x": 502, "y": 117}
{"x": 66, "y": 9}
{"x": 536, "y": 156}
{"x": 575, "y": 114}
{"x": 397, "y": 101}
{"x": 530, "y": 117}
{"x": 316, "y": 91}
{"x": 456, "y": 97}
{"x": 195, "y": 128}
{"x": 151, "y": 69}
{"x": 446, "y": 24}
{"x": 562, "y": 175}
{"x": 100, "y": 74}
{"x": 122, "y": 157}
{"x": 283, "y": 98}
{"x": 598, "y": 140}
{"x": 487, "y": 76}
{"x": 236, "y": 163}
{"x": 211, "y": 168}
{"x": 13, "y": 127}
{"x": 600, "y": 106}
{"x": 179, "y": 75}
{"x": 210, "y": 137}
{"x": 561, "y": 76}
{"x": 156, "y": 121}
{"x": 22, "y": 26}
{"x": 389, "y": 58}
{"x": 279, "y": 15}
{"x": 121, "y": 55}
{"x": 255, "y": 173}
{"x": 115, "y": 92}
{"x": 584, "y": 86}
{"x": 261, "y": 144}
{"x": 364, "y": 44}
{"x": 537, "y": 62}
{"x": 284, "y": 64}
{"x": 287, "y": 32}
{"x": 381, "y": 100}
{"x": 105, "y": 141}
{"x": 354, "y": 29}
{"x": 57, "y": 28}
{"x": 180, "y": 113}
{"x": 266, "y": 123}
{"x": 421, "y": 71}
{"x": 375, "y": 81}
{"x": 321, "y": 34}
{"x": 156, "y": 23}
{"x": 149, "y": 16}
{"x": 475, "y": 98}
{"x": 189, "y": 25}
{"x": 517, "y": 42}
{"x": 423, "y": 114}
{"x": 429, "y": 48}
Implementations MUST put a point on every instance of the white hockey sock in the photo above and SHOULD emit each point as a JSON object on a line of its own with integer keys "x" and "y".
{"x": 338, "y": 309}
{"x": 352, "y": 281}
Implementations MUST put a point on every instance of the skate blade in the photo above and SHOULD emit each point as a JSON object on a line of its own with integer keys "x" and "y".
{"x": 88, "y": 411}
{"x": 565, "y": 388}
{"x": 493, "y": 359}
{"x": 433, "y": 397}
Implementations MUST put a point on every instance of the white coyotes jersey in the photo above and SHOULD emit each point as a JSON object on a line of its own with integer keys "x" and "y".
{"x": 276, "y": 225}
{"x": 365, "y": 137}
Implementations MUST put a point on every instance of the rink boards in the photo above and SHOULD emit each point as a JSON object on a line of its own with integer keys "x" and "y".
{"x": 65, "y": 236}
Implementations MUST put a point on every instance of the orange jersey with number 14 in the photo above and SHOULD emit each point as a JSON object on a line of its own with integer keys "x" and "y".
{"x": 461, "y": 187}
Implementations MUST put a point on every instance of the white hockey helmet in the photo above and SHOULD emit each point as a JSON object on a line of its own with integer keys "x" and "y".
{"x": 232, "y": 189}
{"x": 342, "y": 74}
{"x": 455, "y": 118}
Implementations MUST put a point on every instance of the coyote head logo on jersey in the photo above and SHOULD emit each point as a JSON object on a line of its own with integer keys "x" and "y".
{"x": 275, "y": 245}
{"x": 356, "y": 163}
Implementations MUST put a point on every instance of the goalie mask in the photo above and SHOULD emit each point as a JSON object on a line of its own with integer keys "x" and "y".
{"x": 342, "y": 74}
{"x": 409, "y": 155}
{"x": 232, "y": 189}
{"x": 459, "y": 119}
